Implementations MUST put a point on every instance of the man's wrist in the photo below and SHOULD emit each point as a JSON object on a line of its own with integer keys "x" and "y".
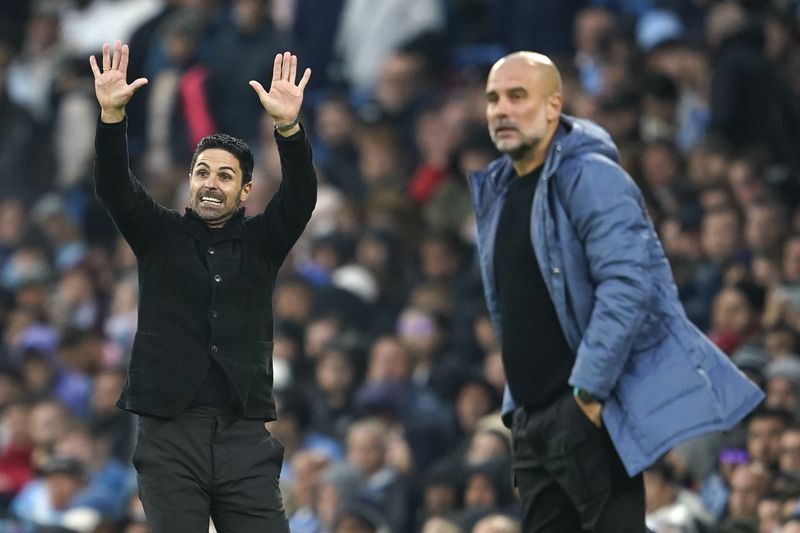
{"x": 283, "y": 126}
{"x": 112, "y": 116}
{"x": 584, "y": 396}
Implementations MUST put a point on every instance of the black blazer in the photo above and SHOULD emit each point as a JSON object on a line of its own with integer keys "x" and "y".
{"x": 203, "y": 293}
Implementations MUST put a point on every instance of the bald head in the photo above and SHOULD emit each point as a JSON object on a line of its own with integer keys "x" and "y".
{"x": 523, "y": 106}
{"x": 539, "y": 65}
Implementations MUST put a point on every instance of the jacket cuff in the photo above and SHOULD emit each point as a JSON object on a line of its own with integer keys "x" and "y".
{"x": 116, "y": 127}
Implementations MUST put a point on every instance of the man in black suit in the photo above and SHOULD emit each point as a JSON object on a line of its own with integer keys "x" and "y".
{"x": 200, "y": 375}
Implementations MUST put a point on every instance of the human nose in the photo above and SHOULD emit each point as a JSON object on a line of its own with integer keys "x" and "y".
{"x": 497, "y": 109}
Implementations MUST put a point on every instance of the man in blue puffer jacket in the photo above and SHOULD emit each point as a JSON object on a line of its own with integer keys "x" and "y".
{"x": 605, "y": 372}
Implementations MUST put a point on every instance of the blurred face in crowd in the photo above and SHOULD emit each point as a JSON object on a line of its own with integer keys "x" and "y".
{"x": 419, "y": 333}
{"x": 399, "y": 81}
{"x": 480, "y": 492}
{"x": 781, "y": 394}
{"x": 440, "y": 499}
{"x": 12, "y": 221}
{"x": 779, "y": 342}
{"x": 62, "y": 488}
{"x": 249, "y": 14}
{"x": 523, "y": 103}
{"x": 306, "y": 466}
{"x": 107, "y": 388}
{"x": 472, "y": 403}
{"x": 366, "y": 447}
{"x": 790, "y": 452}
{"x": 10, "y": 389}
{"x": 748, "y": 485}
{"x": 438, "y": 259}
{"x": 660, "y": 165}
{"x": 334, "y": 122}
{"x": 485, "y": 445}
{"x": 292, "y": 301}
{"x": 745, "y": 183}
{"x": 765, "y": 228}
{"x": 769, "y": 516}
{"x": 593, "y": 29}
{"x": 764, "y": 439}
{"x": 14, "y": 425}
{"x": 78, "y": 445}
{"x": 215, "y": 186}
{"x": 318, "y": 333}
{"x": 731, "y": 312}
{"x": 388, "y": 361}
{"x": 335, "y": 374}
{"x": 720, "y": 235}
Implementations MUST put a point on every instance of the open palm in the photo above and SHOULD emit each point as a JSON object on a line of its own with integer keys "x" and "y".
{"x": 284, "y": 98}
{"x": 110, "y": 85}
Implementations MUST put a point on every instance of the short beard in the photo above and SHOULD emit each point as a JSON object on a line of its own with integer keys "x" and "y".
{"x": 223, "y": 217}
{"x": 523, "y": 150}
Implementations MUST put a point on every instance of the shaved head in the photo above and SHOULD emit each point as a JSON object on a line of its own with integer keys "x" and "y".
{"x": 523, "y": 107}
{"x": 541, "y": 66}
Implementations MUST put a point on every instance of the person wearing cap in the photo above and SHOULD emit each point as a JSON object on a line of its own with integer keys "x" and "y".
{"x": 605, "y": 372}
{"x": 200, "y": 375}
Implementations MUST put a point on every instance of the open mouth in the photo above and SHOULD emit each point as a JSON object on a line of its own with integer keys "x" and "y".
{"x": 210, "y": 201}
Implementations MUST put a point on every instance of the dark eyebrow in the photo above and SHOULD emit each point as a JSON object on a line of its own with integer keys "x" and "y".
{"x": 220, "y": 168}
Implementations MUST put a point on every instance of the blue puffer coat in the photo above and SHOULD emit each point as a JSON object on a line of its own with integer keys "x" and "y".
{"x": 661, "y": 379}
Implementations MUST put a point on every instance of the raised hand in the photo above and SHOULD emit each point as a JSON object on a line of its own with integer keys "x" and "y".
{"x": 110, "y": 85}
{"x": 282, "y": 102}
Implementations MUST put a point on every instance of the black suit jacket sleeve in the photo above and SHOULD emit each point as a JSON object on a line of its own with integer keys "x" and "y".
{"x": 290, "y": 208}
{"x": 137, "y": 216}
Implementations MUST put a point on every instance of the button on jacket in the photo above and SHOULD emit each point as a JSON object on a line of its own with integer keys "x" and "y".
{"x": 203, "y": 293}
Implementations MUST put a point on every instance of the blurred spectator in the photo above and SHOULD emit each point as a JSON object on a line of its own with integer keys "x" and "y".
{"x": 782, "y": 384}
{"x": 764, "y": 429}
{"x": 114, "y": 427}
{"x": 369, "y": 33}
{"x": 669, "y": 506}
{"x": 16, "y": 468}
{"x": 244, "y": 51}
{"x": 748, "y": 486}
{"x": 108, "y": 481}
{"x": 51, "y": 499}
{"x": 368, "y": 451}
{"x": 32, "y": 74}
{"x": 740, "y": 62}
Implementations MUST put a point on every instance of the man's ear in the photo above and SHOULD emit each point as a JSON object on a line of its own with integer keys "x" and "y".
{"x": 554, "y": 105}
{"x": 245, "y": 192}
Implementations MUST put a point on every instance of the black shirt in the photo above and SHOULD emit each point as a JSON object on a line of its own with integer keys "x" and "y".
{"x": 536, "y": 356}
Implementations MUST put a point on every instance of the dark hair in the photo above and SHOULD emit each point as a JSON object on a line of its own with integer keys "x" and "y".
{"x": 235, "y": 146}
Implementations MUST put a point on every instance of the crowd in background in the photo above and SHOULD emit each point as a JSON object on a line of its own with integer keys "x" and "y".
{"x": 388, "y": 374}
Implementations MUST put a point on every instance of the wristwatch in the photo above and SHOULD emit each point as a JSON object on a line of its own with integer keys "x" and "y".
{"x": 584, "y": 396}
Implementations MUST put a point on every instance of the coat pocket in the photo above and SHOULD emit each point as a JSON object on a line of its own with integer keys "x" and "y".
{"x": 666, "y": 394}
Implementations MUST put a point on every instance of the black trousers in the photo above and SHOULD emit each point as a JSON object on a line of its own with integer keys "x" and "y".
{"x": 207, "y": 462}
{"x": 569, "y": 476}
